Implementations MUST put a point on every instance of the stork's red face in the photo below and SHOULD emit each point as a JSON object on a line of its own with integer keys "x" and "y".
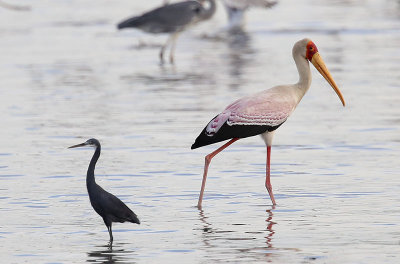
{"x": 311, "y": 50}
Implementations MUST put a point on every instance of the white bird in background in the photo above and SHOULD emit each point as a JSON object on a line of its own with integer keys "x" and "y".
{"x": 236, "y": 9}
{"x": 263, "y": 112}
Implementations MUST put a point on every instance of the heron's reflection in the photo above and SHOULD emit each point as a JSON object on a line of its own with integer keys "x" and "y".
{"x": 110, "y": 255}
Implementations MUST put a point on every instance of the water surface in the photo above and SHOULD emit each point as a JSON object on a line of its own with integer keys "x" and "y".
{"x": 66, "y": 75}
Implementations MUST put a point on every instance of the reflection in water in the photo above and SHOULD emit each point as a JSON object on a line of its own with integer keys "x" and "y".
{"x": 270, "y": 231}
{"x": 240, "y": 54}
{"x": 239, "y": 48}
{"x": 110, "y": 255}
{"x": 207, "y": 228}
{"x": 212, "y": 239}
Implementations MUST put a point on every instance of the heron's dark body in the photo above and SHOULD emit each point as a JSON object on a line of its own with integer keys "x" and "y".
{"x": 166, "y": 19}
{"x": 108, "y": 206}
{"x": 231, "y": 131}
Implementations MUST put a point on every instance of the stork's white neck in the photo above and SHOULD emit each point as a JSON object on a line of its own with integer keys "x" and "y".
{"x": 303, "y": 67}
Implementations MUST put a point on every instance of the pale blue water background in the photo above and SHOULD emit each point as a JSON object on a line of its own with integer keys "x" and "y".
{"x": 66, "y": 75}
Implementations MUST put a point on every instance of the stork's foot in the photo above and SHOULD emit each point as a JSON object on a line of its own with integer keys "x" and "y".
{"x": 271, "y": 195}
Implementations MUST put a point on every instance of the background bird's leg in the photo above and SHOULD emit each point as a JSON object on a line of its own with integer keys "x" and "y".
{"x": 170, "y": 39}
{"x": 173, "y": 44}
{"x": 163, "y": 49}
{"x": 268, "y": 174}
{"x": 207, "y": 163}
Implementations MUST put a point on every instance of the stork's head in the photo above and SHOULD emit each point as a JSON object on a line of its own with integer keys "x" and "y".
{"x": 90, "y": 143}
{"x": 310, "y": 52}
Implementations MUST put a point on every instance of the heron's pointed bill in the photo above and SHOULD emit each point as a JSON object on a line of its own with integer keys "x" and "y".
{"x": 77, "y": 146}
{"x": 319, "y": 64}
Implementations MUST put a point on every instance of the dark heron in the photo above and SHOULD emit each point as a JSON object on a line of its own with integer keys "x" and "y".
{"x": 171, "y": 18}
{"x": 109, "y": 207}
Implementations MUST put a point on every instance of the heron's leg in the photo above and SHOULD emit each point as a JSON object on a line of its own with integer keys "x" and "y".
{"x": 108, "y": 225}
{"x": 268, "y": 174}
{"x": 110, "y": 232}
{"x": 207, "y": 163}
{"x": 173, "y": 44}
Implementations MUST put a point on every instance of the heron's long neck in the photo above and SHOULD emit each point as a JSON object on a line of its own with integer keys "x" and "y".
{"x": 303, "y": 67}
{"x": 90, "y": 172}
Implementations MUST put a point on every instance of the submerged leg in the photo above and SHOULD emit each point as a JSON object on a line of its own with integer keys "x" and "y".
{"x": 207, "y": 163}
{"x": 268, "y": 174}
{"x": 108, "y": 225}
{"x": 111, "y": 236}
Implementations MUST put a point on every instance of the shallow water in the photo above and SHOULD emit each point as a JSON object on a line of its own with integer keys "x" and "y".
{"x": 66, "y": 75}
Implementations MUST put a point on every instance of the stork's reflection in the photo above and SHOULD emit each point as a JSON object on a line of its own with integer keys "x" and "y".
{"x": 212, "y": 236}
{"x": 270, "y": 231}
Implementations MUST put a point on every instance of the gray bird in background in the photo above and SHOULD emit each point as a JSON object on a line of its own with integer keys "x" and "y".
{"x": 171, "y": 18}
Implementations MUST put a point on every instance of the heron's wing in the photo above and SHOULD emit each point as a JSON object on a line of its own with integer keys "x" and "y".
{"x": 112, "y": 207}
{"x": 167, "y": 18}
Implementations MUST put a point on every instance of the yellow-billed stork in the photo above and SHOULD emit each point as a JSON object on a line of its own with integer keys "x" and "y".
{"x": 262, "y": 113}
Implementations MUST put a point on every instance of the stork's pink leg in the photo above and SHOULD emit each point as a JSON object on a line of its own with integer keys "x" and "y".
{"x": 207, "y": 163}
{"x": 267, "y": 178}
